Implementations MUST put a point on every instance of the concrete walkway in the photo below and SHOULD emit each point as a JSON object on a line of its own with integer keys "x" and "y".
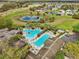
{"x": 49, "y": 48}
{"x": 66, "y": 57}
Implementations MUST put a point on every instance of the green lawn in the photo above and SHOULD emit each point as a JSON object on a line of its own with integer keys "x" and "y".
{"x": 13, "y": 15}
{"x": 63, "y": 22}
{"x": 67, "y": 23}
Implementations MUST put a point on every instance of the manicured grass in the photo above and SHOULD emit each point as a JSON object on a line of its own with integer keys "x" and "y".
{"x": 63, "y": 22}
{"x": 68, "y": 24}
{"x": 13, "y": 15}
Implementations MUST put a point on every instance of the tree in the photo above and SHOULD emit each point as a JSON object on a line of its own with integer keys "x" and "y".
{"x": 31, "y": 9}
{"x": 38, "y": 13}
{"x": 14, "y": 39}
{"x": 9, "y": 52}
{"x": 76, "y": 28}
{"x": 72, "y": 50}
{"x": 2, "y": 24}
{"x": 21, "y": 54}
{"x": 65, "y": 7}
{"x": 8, "y": 6}
{"x": 51, "y": 19}
{"x": 75, "y": 16}
{"x": 8, "y": 23}
{"x": 5, "y": 23}
{"x": 59, "y": 55}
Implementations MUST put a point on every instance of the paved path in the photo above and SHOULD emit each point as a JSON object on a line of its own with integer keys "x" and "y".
{"x": 50, "y": 48}
{"x": 30, "y": 57}
{"x": 66, "y": 57}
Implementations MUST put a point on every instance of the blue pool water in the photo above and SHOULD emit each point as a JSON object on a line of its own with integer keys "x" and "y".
{"x": 30, "y": 18}
{"x": 41, "y": 40}
{"x": 26, "y": 18}
{"x": 31, "y": 33}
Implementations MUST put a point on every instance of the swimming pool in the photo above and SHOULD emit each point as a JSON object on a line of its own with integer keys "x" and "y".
{"x": 40, "y": 41}
{"x": 30, "y": 18}
{"x": 31, "y": 33}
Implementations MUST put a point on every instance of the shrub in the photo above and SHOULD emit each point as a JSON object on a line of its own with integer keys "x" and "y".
{"x": 76, "y": 28}
{"x": 5, "y": 23}
{"x": 76, "y": 16}
{"x": 59, "y": 55}
{"x": 15, "y": 39}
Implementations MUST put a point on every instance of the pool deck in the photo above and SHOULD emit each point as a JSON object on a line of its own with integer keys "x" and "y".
{"x": 35, "y": 41}
{"x": 49, "y": 50}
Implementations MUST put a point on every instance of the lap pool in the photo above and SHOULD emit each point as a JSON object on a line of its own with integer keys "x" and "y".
{"x": 30, "y": 18}
{"x": 40, "y": 41}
